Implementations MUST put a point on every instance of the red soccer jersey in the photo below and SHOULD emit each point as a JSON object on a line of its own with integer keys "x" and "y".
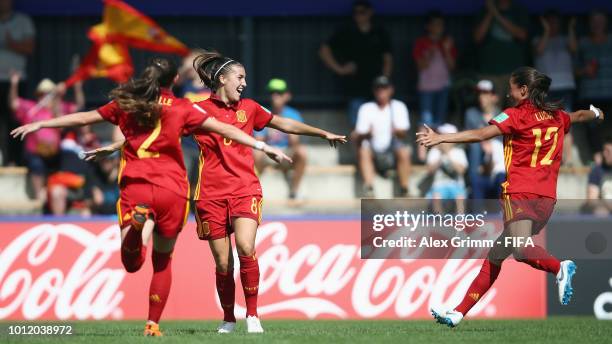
{"x": 533, "y": 146}
{"x": 227, "y": 168}
{"x": 154, "y": 155}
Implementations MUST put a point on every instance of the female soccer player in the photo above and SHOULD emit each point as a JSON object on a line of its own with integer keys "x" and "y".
{"x": 533, "y": 132}
{"x": 154, "y": 189}
{"x": 228, "y": 195}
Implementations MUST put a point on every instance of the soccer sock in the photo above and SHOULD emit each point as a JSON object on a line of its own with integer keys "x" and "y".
{"x": 133, "y": 252}
{"x": 487, "y": 275}
{"x": 226, "y": 289}
{"x": 160, "y": 284}
{"x": 249, "y": 275}
{"x": 538, "y": 258}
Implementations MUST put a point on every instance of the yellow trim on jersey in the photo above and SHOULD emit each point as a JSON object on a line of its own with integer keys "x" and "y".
{"x": 508, "y": 208}
{"x": 119, "y": 212}
{"x": 200, "y": 168}
{"x": 122, "y": 164}
{"x": 260, "y": 215}
{"x": 186, "y": 212}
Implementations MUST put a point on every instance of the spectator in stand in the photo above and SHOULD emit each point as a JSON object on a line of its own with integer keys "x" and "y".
{"x": 500, "y": 37}
{"x": 435, "y": 56}
{"x": 595, "y": 72}
{"x": 191, "y": 87}
{"x": 358, "y": 53}
{"x": 599, "y": 191}
{"x": 553, "y": 57}
{"x": 448, "y": 164}
{"x": 105, "y": 191}
{"x": 42, "y": 147}
{"x": 382, "y": 124}
{"x": 16, "y": 43}
{"x": 484, "y": 170}
{"x": 280, "y": 96}
{"x": 71, "y": 187}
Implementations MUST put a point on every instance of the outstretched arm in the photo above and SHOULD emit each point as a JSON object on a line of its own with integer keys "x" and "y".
{"x": 73, "y": 120}
{"x": 235, "y": 134}
{"x": 103, "y": 152}
{"x": 586, "y": 115}
{"x": 291, "y": 126}
{"x": 431, "y": 138}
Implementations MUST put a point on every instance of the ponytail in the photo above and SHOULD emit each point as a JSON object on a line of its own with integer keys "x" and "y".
{"x": 139, "y": 96}
{"x": 537, "y": 88}
{"x": 210, "y": 65}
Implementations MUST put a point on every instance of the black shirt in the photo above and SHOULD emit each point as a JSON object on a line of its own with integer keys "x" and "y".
{"x": 366, "y": 50}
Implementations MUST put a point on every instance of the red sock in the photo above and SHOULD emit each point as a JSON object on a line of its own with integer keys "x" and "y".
{"x": 249, "y": 275}
{"x": 133, "y": 252}
{"x": 160, "y": 284}
{"x": 538, "y": 258}
{"x": 226, "y": 289}
{"x": 487, "y": 275}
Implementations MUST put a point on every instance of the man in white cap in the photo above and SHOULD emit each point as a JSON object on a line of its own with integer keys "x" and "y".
{"x": 448, "y": 164}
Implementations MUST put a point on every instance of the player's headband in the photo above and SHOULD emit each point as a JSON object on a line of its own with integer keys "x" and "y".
{"x": 220, "y": 68}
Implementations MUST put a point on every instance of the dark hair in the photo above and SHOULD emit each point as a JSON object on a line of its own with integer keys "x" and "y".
{"x": 139, "y": 96}
{"x": 537, "y": 87}
{"x": 431, "y": 15}
{"x": 362, "y": 3}
{"x": 210, "y": 65}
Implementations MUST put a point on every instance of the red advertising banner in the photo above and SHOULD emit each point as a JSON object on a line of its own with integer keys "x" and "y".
{"x": 309, "y": 269}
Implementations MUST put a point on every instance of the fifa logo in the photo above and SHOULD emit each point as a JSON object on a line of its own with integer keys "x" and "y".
{"x": 241, "y": 116}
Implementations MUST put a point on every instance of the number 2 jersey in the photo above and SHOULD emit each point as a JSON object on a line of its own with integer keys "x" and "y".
{"x": 154, "y": 155}
{"x": 533, "y": 146}
{"x": 227, "y": 168}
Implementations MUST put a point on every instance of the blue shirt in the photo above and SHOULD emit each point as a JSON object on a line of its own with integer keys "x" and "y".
{"x": 277, "y": 138}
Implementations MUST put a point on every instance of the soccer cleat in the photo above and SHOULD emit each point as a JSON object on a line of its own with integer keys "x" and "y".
{"x": 152, "y": 330}
{"x": 226, "y": 327}
{"x": 140, "y": 215}
{"x": 564, "y": 281}
{"x": 449, "y": 318}
{"x": 253, "y": 324}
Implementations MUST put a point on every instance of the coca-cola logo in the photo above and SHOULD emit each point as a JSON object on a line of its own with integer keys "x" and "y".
{"x": 310, "y": 279}
{"x": 87, "y": 290}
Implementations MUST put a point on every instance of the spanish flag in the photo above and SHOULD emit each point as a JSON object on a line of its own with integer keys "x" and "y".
{"x": 122, "y": 23}
{"x": 105, "y": 60}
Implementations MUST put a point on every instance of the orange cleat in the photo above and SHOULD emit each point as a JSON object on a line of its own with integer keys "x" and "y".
{"x": 140, "y": 214}
{"x": 152, "y": 330}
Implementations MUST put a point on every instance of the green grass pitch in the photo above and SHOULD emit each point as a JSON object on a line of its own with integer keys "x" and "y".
{"x": 553, "y": 330}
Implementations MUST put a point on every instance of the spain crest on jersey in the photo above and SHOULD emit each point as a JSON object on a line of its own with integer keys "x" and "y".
{"x": 241, "y": 116}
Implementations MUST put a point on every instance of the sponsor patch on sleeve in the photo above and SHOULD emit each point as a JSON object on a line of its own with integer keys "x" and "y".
{"x": 501, "y": 117}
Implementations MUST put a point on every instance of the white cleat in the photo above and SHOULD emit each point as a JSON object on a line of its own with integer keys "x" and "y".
{"x": 226, "y": 327}
{"x": 449, "y": 318}
{"x": 253, "y": 324}
{"x": 564, "y": 281}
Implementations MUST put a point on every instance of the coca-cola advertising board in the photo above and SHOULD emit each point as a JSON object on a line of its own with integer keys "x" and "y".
{"x": 309, "y": 269}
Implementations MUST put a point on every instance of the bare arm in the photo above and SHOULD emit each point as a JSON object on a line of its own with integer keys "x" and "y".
{"x": 584, "y": 116}
{"x": 329, "y": 60}
{"x": 387, "y": 64}
{"x": 13, "y": 96}
{"x": 431, "y": 138}
{"x": 572, "y": 41}
{"x": 23, "y": 47}
{"x": 103, "y": 152}
{"x": 483, "y": 27}
{"x": 543, "y": 41}
{"x": 79, "y": 95}
{"x": 515, "y": 30}
{"x": 235, "y": 134}
{"x": 73, "y": 120}
{"x": 291, "y": 126}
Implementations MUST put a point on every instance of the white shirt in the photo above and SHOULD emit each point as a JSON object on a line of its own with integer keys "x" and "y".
{"x": 456, "y": 155}
{"x": 19, "y": 26}
{"x": 381, "y": 122}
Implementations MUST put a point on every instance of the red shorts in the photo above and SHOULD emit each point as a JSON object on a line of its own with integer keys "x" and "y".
{"x": 169, "y": 209}
{"x": 214, "y": 217}
{"x": 528, "y": 206}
